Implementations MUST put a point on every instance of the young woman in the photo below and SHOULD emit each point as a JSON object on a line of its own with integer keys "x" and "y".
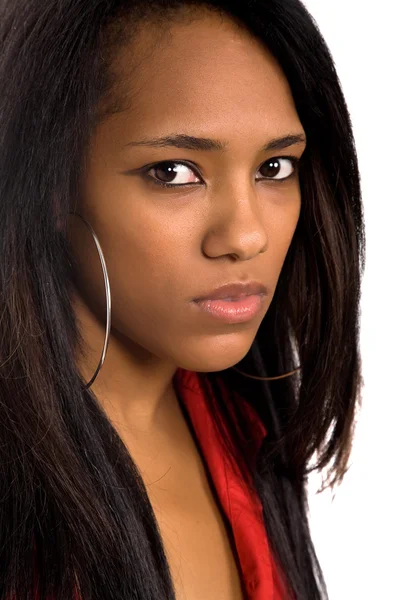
{"x": 182, "y": 244}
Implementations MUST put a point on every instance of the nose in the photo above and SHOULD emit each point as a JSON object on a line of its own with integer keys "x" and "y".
{"x": 237, "y": 227}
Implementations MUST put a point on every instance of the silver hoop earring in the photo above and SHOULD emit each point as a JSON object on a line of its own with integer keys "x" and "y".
{"x": 108, "y": 298}
{"x": 268, "y": 378}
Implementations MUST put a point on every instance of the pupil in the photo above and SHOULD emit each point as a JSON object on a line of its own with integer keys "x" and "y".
{"x": 272, "y": 168}
{"x": 168, "y": 171}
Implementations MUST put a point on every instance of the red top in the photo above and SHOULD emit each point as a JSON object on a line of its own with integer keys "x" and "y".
{"x": 241, "y": 505}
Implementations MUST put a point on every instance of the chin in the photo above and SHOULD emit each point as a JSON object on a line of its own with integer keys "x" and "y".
{"x": 216, "y": 357}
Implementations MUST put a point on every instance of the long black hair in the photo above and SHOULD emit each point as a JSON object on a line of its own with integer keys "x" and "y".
{"x": 74, "y": 508}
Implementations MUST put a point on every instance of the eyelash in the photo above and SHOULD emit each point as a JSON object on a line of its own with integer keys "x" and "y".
{"x": 294, "y": 160}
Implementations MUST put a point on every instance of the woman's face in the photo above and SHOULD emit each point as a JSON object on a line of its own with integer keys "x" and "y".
{"x": 229, "y": 216}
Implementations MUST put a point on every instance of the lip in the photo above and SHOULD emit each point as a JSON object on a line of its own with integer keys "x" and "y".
{"x": 234, "y": 291}
{"x": 238, "y": 310}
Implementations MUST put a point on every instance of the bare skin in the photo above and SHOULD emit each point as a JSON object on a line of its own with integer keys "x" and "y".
{"x": 233, "y": 221}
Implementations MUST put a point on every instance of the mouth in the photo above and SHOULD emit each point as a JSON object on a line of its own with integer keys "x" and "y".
{"x": 235, "y": 291}
{"x": 239, "y": 309}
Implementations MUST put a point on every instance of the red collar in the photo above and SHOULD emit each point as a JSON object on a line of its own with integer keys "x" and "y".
{"x": 241, "y": 505}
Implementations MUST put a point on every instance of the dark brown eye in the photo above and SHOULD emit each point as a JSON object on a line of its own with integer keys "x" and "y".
{"x": 165, "y": 172}
{"x": 279, "y": 168}
{"x": 175, "y": 173}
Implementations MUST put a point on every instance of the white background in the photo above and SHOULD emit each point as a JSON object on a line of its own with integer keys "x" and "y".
{"x": 357, "y": 532}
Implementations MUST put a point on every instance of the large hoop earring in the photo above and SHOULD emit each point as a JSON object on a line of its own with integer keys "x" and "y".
{"x": 108, "y": 298}
{"x": 267, "y": 378}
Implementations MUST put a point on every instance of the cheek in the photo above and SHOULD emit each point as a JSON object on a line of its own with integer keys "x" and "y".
{"x": 146, "y": 263}
{"x": 149, "y": 252}
{"x": 281, "y": 226}
{"x": 149, "y": 288}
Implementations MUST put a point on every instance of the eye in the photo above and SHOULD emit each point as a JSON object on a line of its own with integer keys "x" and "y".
{"x": 281, "y": 168}
{"x": 172, "y": 174}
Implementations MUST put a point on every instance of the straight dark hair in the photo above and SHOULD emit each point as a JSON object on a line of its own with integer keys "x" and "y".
{"x": 74, "y": 509}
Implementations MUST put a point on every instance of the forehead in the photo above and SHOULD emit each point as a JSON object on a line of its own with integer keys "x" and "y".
{"x": 206, "y": 74}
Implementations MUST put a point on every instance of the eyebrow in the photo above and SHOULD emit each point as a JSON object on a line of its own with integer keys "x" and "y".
{"x": 189, "y": 142}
